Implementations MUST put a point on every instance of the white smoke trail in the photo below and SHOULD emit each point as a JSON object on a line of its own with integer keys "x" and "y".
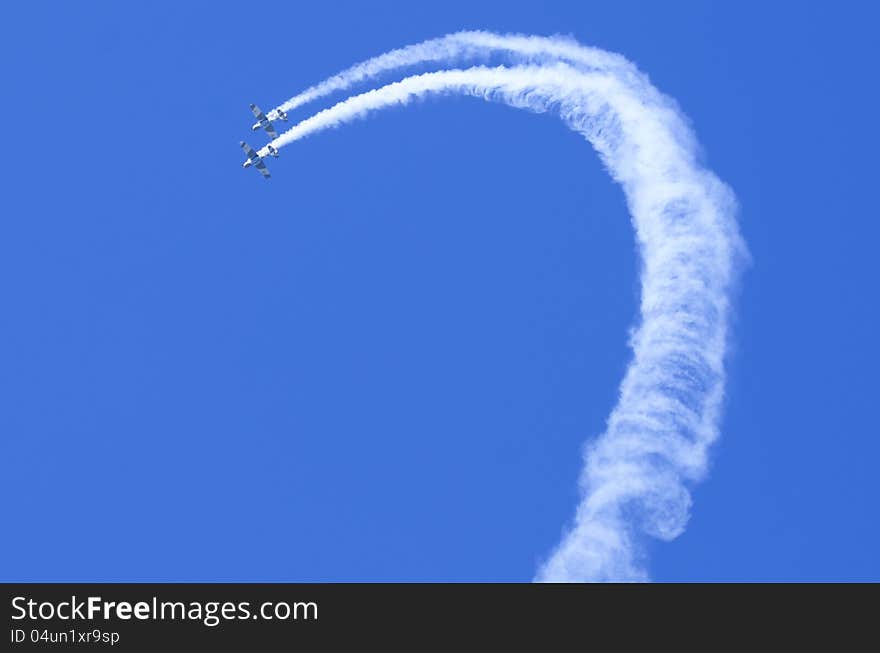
{"x": 469, "y": 45}
{"x": 658, "y": 434}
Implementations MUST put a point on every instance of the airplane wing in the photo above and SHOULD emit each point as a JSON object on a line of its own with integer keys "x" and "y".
{"x": 258, "y": 114}
{"x": 259, "y": 165}
{"x": 249, "y": 151}
{"x": 269, "y": 129}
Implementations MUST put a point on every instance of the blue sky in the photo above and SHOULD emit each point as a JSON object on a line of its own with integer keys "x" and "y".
{"x": 382, "y": 364}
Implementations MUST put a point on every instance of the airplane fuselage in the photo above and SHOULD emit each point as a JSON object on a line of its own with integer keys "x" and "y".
{"x": 249, "y": 161}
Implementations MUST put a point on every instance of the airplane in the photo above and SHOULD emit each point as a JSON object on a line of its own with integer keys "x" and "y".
{"x": 254, "y": 159}
{"x": 265, "y": 121}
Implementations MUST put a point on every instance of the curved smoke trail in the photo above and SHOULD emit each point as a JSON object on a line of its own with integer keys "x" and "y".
{"x": 657, "y": 437}
{"x": 461, "y": 46}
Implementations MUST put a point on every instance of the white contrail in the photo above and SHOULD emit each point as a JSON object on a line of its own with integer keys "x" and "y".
{"x": 467, "y": 45}
{"x": 657, "y": 437}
